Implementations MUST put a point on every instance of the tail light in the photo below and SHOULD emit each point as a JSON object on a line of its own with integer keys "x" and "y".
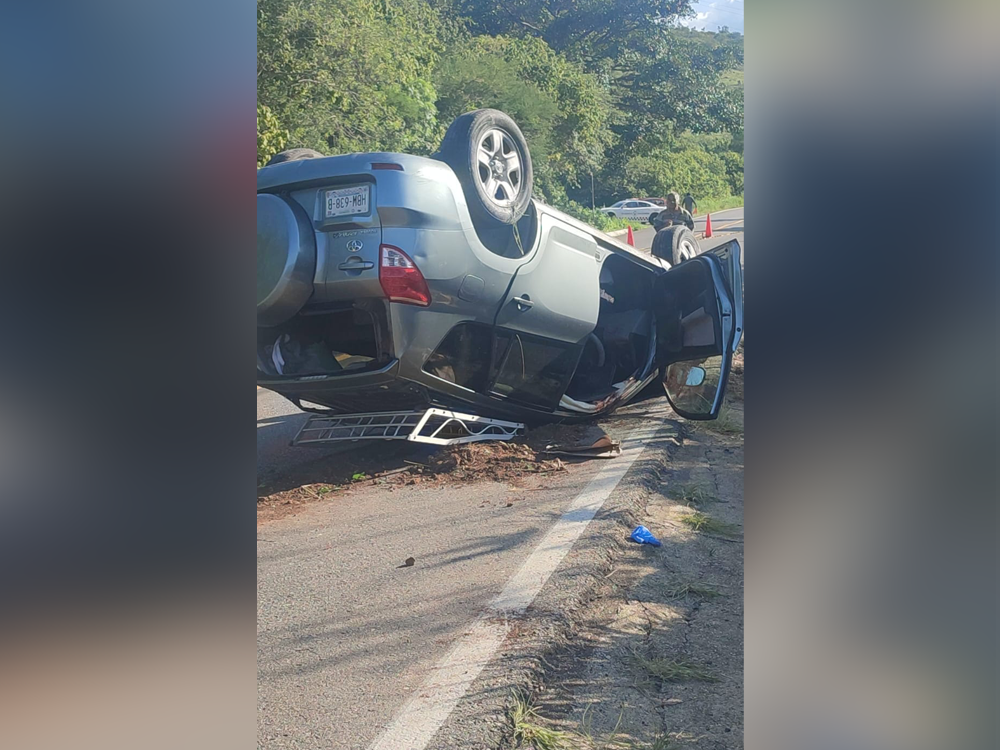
{"x": 400, "y": 278}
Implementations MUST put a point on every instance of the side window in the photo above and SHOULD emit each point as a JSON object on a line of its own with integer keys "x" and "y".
{"x": 523, "y": 368}
{"x": 531, "y": 370}
{"x": 632, "y": 204}
{"x": 463, "y": 357}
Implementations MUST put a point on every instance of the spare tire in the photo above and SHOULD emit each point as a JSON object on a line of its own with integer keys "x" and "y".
{"x": 294, "y": 154}
{"x": 286, "y": 259}
{"x": 676, "y": 244}
{"x": 488, "y": 152}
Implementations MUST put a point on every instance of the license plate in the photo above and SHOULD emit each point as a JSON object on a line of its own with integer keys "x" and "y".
{"x": 352, "y": 201}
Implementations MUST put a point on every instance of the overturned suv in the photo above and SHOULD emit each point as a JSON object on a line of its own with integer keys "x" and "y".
{"x": 390, "y": 282}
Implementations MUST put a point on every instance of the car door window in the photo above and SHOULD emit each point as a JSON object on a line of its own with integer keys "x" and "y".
{"x": 692, "y": 386}
{"x": 632, "y": 204}
{"x": 532, "y": 370}
{"x": 696, "y": 331}
{"x": 463, "y": 357}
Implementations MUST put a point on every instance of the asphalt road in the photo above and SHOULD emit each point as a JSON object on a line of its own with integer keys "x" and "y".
{"x": 724, "y": 223}
{"x": 357, "y": 652}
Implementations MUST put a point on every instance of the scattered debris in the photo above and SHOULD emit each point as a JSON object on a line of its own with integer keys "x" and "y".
{"x": 398, "y": 463}
{"x": 498, "y": 462}
{"x": 642, "y": 535}
{"x": 589, "y": 442}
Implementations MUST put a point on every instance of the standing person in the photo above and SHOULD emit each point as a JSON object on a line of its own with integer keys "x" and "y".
{"x": 674, "y": 214}
{"x": 690, "y": 204}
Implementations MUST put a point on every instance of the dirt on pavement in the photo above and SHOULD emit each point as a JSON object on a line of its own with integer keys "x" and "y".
{"x": 390, "y": 465}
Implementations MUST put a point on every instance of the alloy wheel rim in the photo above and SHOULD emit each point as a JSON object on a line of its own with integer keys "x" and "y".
{"x": 499, "y": 167}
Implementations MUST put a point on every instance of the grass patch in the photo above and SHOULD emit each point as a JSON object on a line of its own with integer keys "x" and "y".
{"x": 524, "y": 719}
{"x": 672, "y": 670}
{"x": 702, "y": 523}
{"x": 711, "y": 205}
{"x": 596, "y": 219}
{"x": 728, "y": 423}
{"x": 695, "y": 494}
{"x": 694, "y": 590}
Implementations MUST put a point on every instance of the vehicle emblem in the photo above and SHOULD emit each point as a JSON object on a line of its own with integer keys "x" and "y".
{"x": 355, "y": 246}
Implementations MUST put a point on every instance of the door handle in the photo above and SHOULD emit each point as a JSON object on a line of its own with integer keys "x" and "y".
{"x": 362, "y": 266}
{"x": 523, "y": 303}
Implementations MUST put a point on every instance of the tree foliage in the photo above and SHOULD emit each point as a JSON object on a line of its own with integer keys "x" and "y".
{"x": 613, "y": 91}
{"x": 700, "y": 172}
{"x": 564, "y": 113}
{"x": 351, "y": 76}
{"x": 271, "y": 137}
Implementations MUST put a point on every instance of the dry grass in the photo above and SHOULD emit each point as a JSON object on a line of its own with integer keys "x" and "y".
{"x": 527, "y": 731}
{"x": 693, "y": 495}
{"x": 730, "y": 422}
{"x": 672, "y": 670}
{"x": 694, "y": 590}
{"x": 702, "y": 523}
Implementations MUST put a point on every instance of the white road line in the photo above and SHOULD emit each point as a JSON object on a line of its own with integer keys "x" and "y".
{"x": 432, "y": 703}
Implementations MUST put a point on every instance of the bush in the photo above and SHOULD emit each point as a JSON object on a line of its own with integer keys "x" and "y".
{"x": 271, "y": 137}
{"x": 593, "y": 217}
{"x": 702, "y": 173}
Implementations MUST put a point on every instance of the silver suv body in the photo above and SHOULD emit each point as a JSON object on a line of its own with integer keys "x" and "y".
{"x": 378, "y": 292}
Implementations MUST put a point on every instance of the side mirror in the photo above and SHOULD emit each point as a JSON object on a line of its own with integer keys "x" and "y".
{"x": 694, "y": 388}
{"x": 696, "y": 376}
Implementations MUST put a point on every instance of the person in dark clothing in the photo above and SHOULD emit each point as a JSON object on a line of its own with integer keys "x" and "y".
{"x": 674, "y": 214}
{"x": 690, "y": 204}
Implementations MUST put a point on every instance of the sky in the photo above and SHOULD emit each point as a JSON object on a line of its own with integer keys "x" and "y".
{"x": 715, "y": 13}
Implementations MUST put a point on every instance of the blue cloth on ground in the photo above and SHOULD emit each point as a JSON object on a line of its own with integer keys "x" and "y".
{"x": 642, "y": 535}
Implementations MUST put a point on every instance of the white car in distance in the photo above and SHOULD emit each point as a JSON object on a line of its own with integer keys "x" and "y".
{"x": 632, "y": 209}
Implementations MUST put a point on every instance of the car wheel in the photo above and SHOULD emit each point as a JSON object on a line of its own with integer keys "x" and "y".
{"x": 489, "y": 154}
{"x": 294, "y": 154}
{"x": 286, "y": 259}
{"x": 679, "y": 241}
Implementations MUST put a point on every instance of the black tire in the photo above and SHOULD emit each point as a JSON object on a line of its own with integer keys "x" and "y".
{"x": 505, "y": 166}
{"x": 286, "y": 259}
{"x": 611, "y": 215}
{"x": 294, "y": 154}
{"x": 676, "y": 244}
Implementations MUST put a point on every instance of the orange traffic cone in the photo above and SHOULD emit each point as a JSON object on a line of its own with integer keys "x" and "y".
{"x": 631, "y": 238}
{"x": 708, "y": 225}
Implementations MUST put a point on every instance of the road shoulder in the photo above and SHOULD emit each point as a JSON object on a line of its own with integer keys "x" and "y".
{"x": 654, "y": 657}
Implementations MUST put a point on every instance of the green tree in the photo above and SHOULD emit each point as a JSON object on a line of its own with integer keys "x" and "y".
{"x": 350, "y": 76}
{"x": 564, "y": 112}
{"x": 614, "y": 90}
{"x": 700, "y": 172}
{"x": 271, "y": 137}
{"x": 734, "y": 170}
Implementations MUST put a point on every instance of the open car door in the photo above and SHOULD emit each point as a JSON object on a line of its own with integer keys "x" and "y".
{"x": 698, "y": 306}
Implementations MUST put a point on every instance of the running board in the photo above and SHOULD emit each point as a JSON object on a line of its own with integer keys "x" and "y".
{"x": 434, "y": 426}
